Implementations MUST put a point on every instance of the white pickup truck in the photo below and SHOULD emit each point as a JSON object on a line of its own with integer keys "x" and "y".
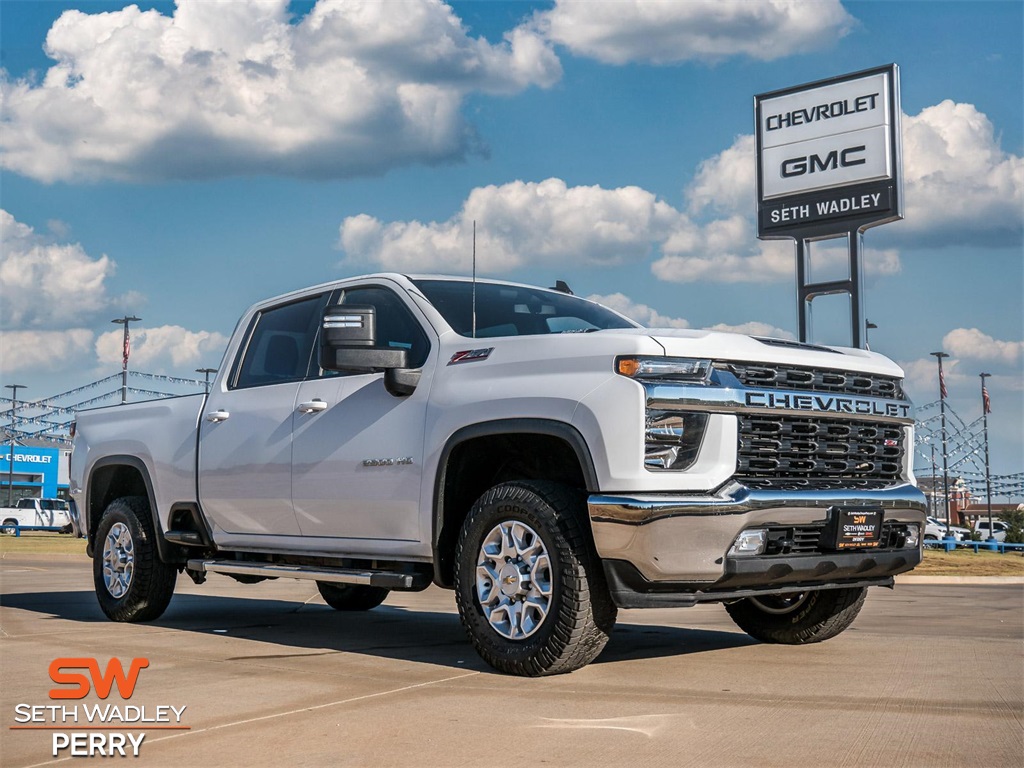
{"x": 543, "y": 456}
{"x": 35, "y": 513}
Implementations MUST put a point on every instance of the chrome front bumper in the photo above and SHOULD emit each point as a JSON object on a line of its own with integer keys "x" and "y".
{"x": 677, "y": 545}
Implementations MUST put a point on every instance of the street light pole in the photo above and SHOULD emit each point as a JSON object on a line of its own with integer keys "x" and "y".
{"x": 945, "y": 453}
{"x": 868, "y": 326}
{"x": 985, "y": 408}
{"x": 933, "y": 507}
{"x": 124, "y": 355}
{"x": 10, "y": 457}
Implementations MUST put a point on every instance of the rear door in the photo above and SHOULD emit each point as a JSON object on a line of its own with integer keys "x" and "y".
{"x": 245, "y": 432}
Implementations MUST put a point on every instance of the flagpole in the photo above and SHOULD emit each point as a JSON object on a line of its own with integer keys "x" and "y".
{"x": 986, "y": 406}
{"x": 945, "y": 453}
{"x": 124, "y": 355}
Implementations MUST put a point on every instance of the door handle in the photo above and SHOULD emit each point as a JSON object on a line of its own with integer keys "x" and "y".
{"x": 215, "y": 417}
{"x": 312, "y": 406}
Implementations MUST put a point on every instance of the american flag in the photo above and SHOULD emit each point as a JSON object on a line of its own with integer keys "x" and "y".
{"x": 985, "y": 402}
{"x": 127, "y": 346}
{"x": 942, "y": 384}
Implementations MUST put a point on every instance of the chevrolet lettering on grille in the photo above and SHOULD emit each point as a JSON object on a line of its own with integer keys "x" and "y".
{"x": 828, "y": 404}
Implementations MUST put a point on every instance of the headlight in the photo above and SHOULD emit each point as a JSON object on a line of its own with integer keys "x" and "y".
{"x": 672, "y": 439}
{"x": 679, "y": 369}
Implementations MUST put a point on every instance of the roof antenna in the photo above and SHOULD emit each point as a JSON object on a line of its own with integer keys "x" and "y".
{"x": 474, "y": 278}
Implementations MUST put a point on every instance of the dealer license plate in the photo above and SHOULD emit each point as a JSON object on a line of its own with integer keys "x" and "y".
{"x": 854, "y": 528}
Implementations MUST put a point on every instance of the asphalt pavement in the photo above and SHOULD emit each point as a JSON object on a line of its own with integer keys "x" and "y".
{"x": 929, "y": 675}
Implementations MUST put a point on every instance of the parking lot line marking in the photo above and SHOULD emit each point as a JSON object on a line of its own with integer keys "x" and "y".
{"x": 318, "y": 706}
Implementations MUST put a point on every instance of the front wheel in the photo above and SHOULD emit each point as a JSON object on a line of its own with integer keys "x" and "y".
{"x": 798, "y": 618}
{"x": 132, "y": 582}
{"x": 529, "y": 586}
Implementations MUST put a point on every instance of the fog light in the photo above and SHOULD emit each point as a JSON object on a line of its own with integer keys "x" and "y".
{"x": 911, "y": 539}
{"x": 672, "y": 440}
{"x": 750, "y": 542}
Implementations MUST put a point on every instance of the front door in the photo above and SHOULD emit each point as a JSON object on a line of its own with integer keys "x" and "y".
{"x": 357, "y": 450}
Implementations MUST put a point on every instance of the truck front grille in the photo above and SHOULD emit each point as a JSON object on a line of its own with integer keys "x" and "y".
{"x": 804, "y": 453}
{"x": 817, "y": 379}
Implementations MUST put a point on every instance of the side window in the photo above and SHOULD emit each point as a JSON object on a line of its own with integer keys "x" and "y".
{"x": 397, "y": 328}
{"x": 281, "y": 344}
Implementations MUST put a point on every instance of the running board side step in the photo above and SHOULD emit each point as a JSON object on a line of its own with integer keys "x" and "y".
{"x": 383, "y": 579}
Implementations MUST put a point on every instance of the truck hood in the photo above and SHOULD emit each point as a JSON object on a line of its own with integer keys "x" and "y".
{"x": 719, "y": 345}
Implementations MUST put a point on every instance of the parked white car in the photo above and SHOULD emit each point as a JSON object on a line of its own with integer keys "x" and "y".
{"x": 935, "y": 529}
{"x": 999, "y": 530}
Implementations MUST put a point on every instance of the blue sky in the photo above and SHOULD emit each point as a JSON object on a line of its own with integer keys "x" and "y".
{"x": 181, "y": 161}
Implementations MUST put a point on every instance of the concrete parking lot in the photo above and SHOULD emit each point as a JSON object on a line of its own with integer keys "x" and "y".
{"x": 929, "y": 675}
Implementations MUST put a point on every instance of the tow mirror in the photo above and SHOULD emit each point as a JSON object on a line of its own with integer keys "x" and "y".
{"x": 348, "y": 338}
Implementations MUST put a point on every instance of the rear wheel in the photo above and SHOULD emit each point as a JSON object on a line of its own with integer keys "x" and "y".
{"x": 529, "y": 586}
{"x": 798, "y": 618}
{"x": 132, "y": 582}
{"x": 10, "y": 527}
{"x": 351, "y": 597}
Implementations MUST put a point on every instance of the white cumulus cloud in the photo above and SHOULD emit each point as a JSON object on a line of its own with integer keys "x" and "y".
{"x": 660, "y": 32}
{"x": 520, "y": 223}
{"x": 972, "y": 344}
{"x": 44, "y": 350}
{"x": 961, "y": 187}
{"x": 537, "y": 223}
{"x": 222, "y": 88}
{"x": 167, "y": 347}
{"x": 46, "y": 284}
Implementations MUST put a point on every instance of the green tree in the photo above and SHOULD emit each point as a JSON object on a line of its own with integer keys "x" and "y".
{"x": 1015, "y": 520}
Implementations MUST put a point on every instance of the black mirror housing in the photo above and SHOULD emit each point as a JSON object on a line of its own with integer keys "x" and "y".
{"x": 348, "y": 337}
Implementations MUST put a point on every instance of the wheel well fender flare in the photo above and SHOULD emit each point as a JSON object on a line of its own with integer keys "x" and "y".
{"x": 139, "y": 466}
{"x": 530, "y": 426}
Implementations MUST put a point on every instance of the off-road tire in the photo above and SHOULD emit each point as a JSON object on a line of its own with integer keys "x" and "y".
{"x": 351, "y": 597}
{"x": 812, "y": 617}
{"x": 580, "y": 615}
{"x": 147, "y": 590}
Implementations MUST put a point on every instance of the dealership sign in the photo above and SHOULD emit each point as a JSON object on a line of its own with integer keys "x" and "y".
{"x": 828, "y": 156}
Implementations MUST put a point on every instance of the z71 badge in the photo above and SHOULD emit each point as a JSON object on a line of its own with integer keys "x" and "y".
{"x": 471, "y": 355}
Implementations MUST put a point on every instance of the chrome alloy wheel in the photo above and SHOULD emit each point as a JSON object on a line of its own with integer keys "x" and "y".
{"x": 780, "y": 604}
{"x": 513, "y": 580}
{"x": 118, "y": 560}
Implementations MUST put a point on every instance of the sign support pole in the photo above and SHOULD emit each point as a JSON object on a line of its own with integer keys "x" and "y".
{"x": 853, "y": 286}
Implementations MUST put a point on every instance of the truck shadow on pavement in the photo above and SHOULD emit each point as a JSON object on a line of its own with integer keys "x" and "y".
{"x": 301, "y": 629}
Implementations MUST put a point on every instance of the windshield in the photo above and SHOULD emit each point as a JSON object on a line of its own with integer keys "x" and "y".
{"x": 512, "y": 310}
